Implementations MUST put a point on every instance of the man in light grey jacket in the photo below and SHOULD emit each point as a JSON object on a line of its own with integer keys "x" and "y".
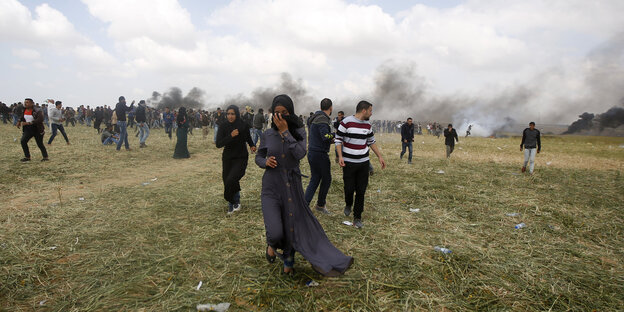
{"x": 56, "y": 118}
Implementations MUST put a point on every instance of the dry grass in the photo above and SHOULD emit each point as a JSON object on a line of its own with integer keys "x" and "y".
{"x": 132, "y": 247}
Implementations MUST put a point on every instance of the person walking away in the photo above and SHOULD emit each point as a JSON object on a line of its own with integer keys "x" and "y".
{"x": 181, "y": 148}
{"x": 258, "y": 124}
{"x": 320, "y": 139}
{"x": 120, "y": 111}
{"x": 407, "y": 137}
{"x": 56, "y": 116}
{"x": 99, "y": 117}
{"x": 468, "y": 130}
{"x": 450, "y": 136}
{"x": 205, "y": 122}
{"x": 289, "y": 223}
{"x": 354, "y": 138}
{"x": 31, "y": 121}
{"x": 142, "y": 124}
{"x": 530, "y": 140}
{"x": 168, "y": 118}
{"x": 232, "y": 136}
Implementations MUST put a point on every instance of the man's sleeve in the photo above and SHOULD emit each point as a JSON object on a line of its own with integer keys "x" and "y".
{"x": 523, "y": 138}
{"x": 539, "y": 141}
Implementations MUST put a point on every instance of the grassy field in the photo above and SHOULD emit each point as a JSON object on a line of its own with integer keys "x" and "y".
{"x": 82, "y": 232}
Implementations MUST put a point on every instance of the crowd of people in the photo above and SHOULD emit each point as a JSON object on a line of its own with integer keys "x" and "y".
{"x": 279, "y": 141}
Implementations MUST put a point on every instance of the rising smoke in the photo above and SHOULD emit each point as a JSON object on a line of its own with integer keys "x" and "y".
{"x": 610, "y": 123}
{"x": 174, "y": 99}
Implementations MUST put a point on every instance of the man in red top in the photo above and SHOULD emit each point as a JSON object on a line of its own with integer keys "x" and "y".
{"x": 31, "y": 122}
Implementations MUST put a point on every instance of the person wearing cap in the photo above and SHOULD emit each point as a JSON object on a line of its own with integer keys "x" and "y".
{"x": 120, "y": 112}
{"x": 530, "y": 141}
{"x": 56, "y": 116}
{"x": 141, "y": 120}
{"x": 450, "y": 136}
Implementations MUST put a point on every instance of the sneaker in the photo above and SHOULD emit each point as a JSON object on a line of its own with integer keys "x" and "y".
{"x": 230, "y": 208}
{"x": 25, "y": 159}
{"x": 322, "y": 210}
{"x": 523, "y": 169}
{"x": 409, "y": 162}
{"x": 358, "y": 223}
{"x": 347, "y": 210}
{"x": 237, "y": 207}
{"x": 45, "y": 159}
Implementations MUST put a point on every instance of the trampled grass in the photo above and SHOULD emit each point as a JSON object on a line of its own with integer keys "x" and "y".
{"x": 129, "y": 246}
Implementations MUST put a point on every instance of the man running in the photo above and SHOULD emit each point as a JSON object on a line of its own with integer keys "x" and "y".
{"x": 56, "y": 116}
{"x": 450, "y": 136}
{"x": 31, "y": 121}
{"x": 319, "y": 140}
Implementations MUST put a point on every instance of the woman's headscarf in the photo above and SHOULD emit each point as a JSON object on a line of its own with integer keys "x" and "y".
{"x": 292, "y": 120}
{"x": 181, "y": 115}
{"x": 238, "y": 122}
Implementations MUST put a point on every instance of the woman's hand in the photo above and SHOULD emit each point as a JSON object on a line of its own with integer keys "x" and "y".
{"x": 280, "y": 123}
{"x": 271, "y": 162}
{"x": 234, "y": 132}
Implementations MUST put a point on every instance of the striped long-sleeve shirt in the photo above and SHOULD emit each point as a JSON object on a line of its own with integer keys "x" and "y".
{"x": 355, "y": 136}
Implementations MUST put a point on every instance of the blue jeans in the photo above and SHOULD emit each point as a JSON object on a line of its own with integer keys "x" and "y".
{"x": 321, "y": 174}
{"x": 123, "y": 134}
{"x": 168, "y": 127}
{"x": 216, "y": 128}
{"x": 407, "y": 145}
{"x": 143, "y": 132}
{"x": 110, "y": 140}
{"x": 255, "y": 135}
{"x": 15, "y": 119}
{"x": 58, "y": 127}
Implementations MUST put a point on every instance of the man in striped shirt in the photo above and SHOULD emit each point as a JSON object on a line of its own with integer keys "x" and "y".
{"x": 353, "y": 139}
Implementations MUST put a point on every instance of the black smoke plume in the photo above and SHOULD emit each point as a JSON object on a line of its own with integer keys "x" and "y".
{"x": 610, "y": 122}
{"x": 174, "y": 99}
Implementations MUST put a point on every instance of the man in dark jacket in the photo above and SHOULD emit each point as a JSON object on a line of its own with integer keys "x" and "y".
{"x": 219, "y": 119}
{"x": 319, "y": 141}
{"x": 258, "y": 124}
{"x": 530, "y": 140}
{"x": 120, "y": 112}
{"x": 141, "y": 120}
{"x": 450, "y": 136}
{"x": 407, "y": 137}
{"x": 31, "y": 121}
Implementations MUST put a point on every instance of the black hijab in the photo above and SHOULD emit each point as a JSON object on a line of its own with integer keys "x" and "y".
{"x": 237, "y": 124}
{"x": 292, "y": 120}
{"x": 181, "y": 115}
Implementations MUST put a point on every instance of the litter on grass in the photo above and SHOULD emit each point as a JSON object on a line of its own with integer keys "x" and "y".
{"x": 349, "y": 223}
{"x": 512, "y": 214}
{"x": 312, "y": 283}
{"x": 146, "y": 183}
{"x": 548, "y": 163}
{"x": 221, "y": 307}
{"x": 52, "y": 248}
{"x": 440, "y": 172}
{"x": 499, "y": 148}
{"x": 42, "y": 302}
{"x": 199, "y": 285}
{"x": 81, "y": 198}
{"x": 414, "y": 209}
{"x": 154, "y": 179}
{"x": 442, "y": 250}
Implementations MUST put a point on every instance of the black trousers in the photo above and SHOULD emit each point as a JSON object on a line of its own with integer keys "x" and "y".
{"x": 29, "y": 132}
{"x": 233, "y": 172}
{"x": 355, "y": 177}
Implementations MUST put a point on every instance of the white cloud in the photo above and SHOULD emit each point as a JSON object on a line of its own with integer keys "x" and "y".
{"x": 27, "y": 54}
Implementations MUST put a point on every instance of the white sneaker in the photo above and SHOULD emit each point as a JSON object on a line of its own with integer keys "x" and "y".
{"x": 237, "y": 207}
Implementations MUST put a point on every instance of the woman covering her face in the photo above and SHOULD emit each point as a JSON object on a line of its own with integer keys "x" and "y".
{"x": 232, "y": 136}
{"x": 290, "y": 225}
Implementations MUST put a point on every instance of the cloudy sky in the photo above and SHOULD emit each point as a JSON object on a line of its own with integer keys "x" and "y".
{"x": 568, "y": 54}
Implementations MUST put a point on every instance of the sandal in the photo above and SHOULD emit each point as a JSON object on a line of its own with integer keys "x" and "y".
{"x": 270, "y": 259}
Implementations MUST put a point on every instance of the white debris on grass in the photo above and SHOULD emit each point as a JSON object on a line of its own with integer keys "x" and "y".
{"x": 81, "y": 198}
{"x": 312, "y": 283}
{"x": 52, "y": 247}
{"x": 199, "y": 285}
{"x": 42, "y": 302}
{"x": 549, "y": 163}
{"x": 146, "y": 183}
{"x": 499, "y": 148}
{"x": 221, "y": 307}
{"x": 440, "y": 172}
{"x": 349, "y": 223}
{"x": 512, "y": 214}
{"x": 154, "y": 179}
{"x": 414, "y": 210}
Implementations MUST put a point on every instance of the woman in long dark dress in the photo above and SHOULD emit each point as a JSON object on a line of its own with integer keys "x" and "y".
{"x": 290, "y": 225}
{"x": 232, "y": 135}
{"x": 181, "y": 148}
